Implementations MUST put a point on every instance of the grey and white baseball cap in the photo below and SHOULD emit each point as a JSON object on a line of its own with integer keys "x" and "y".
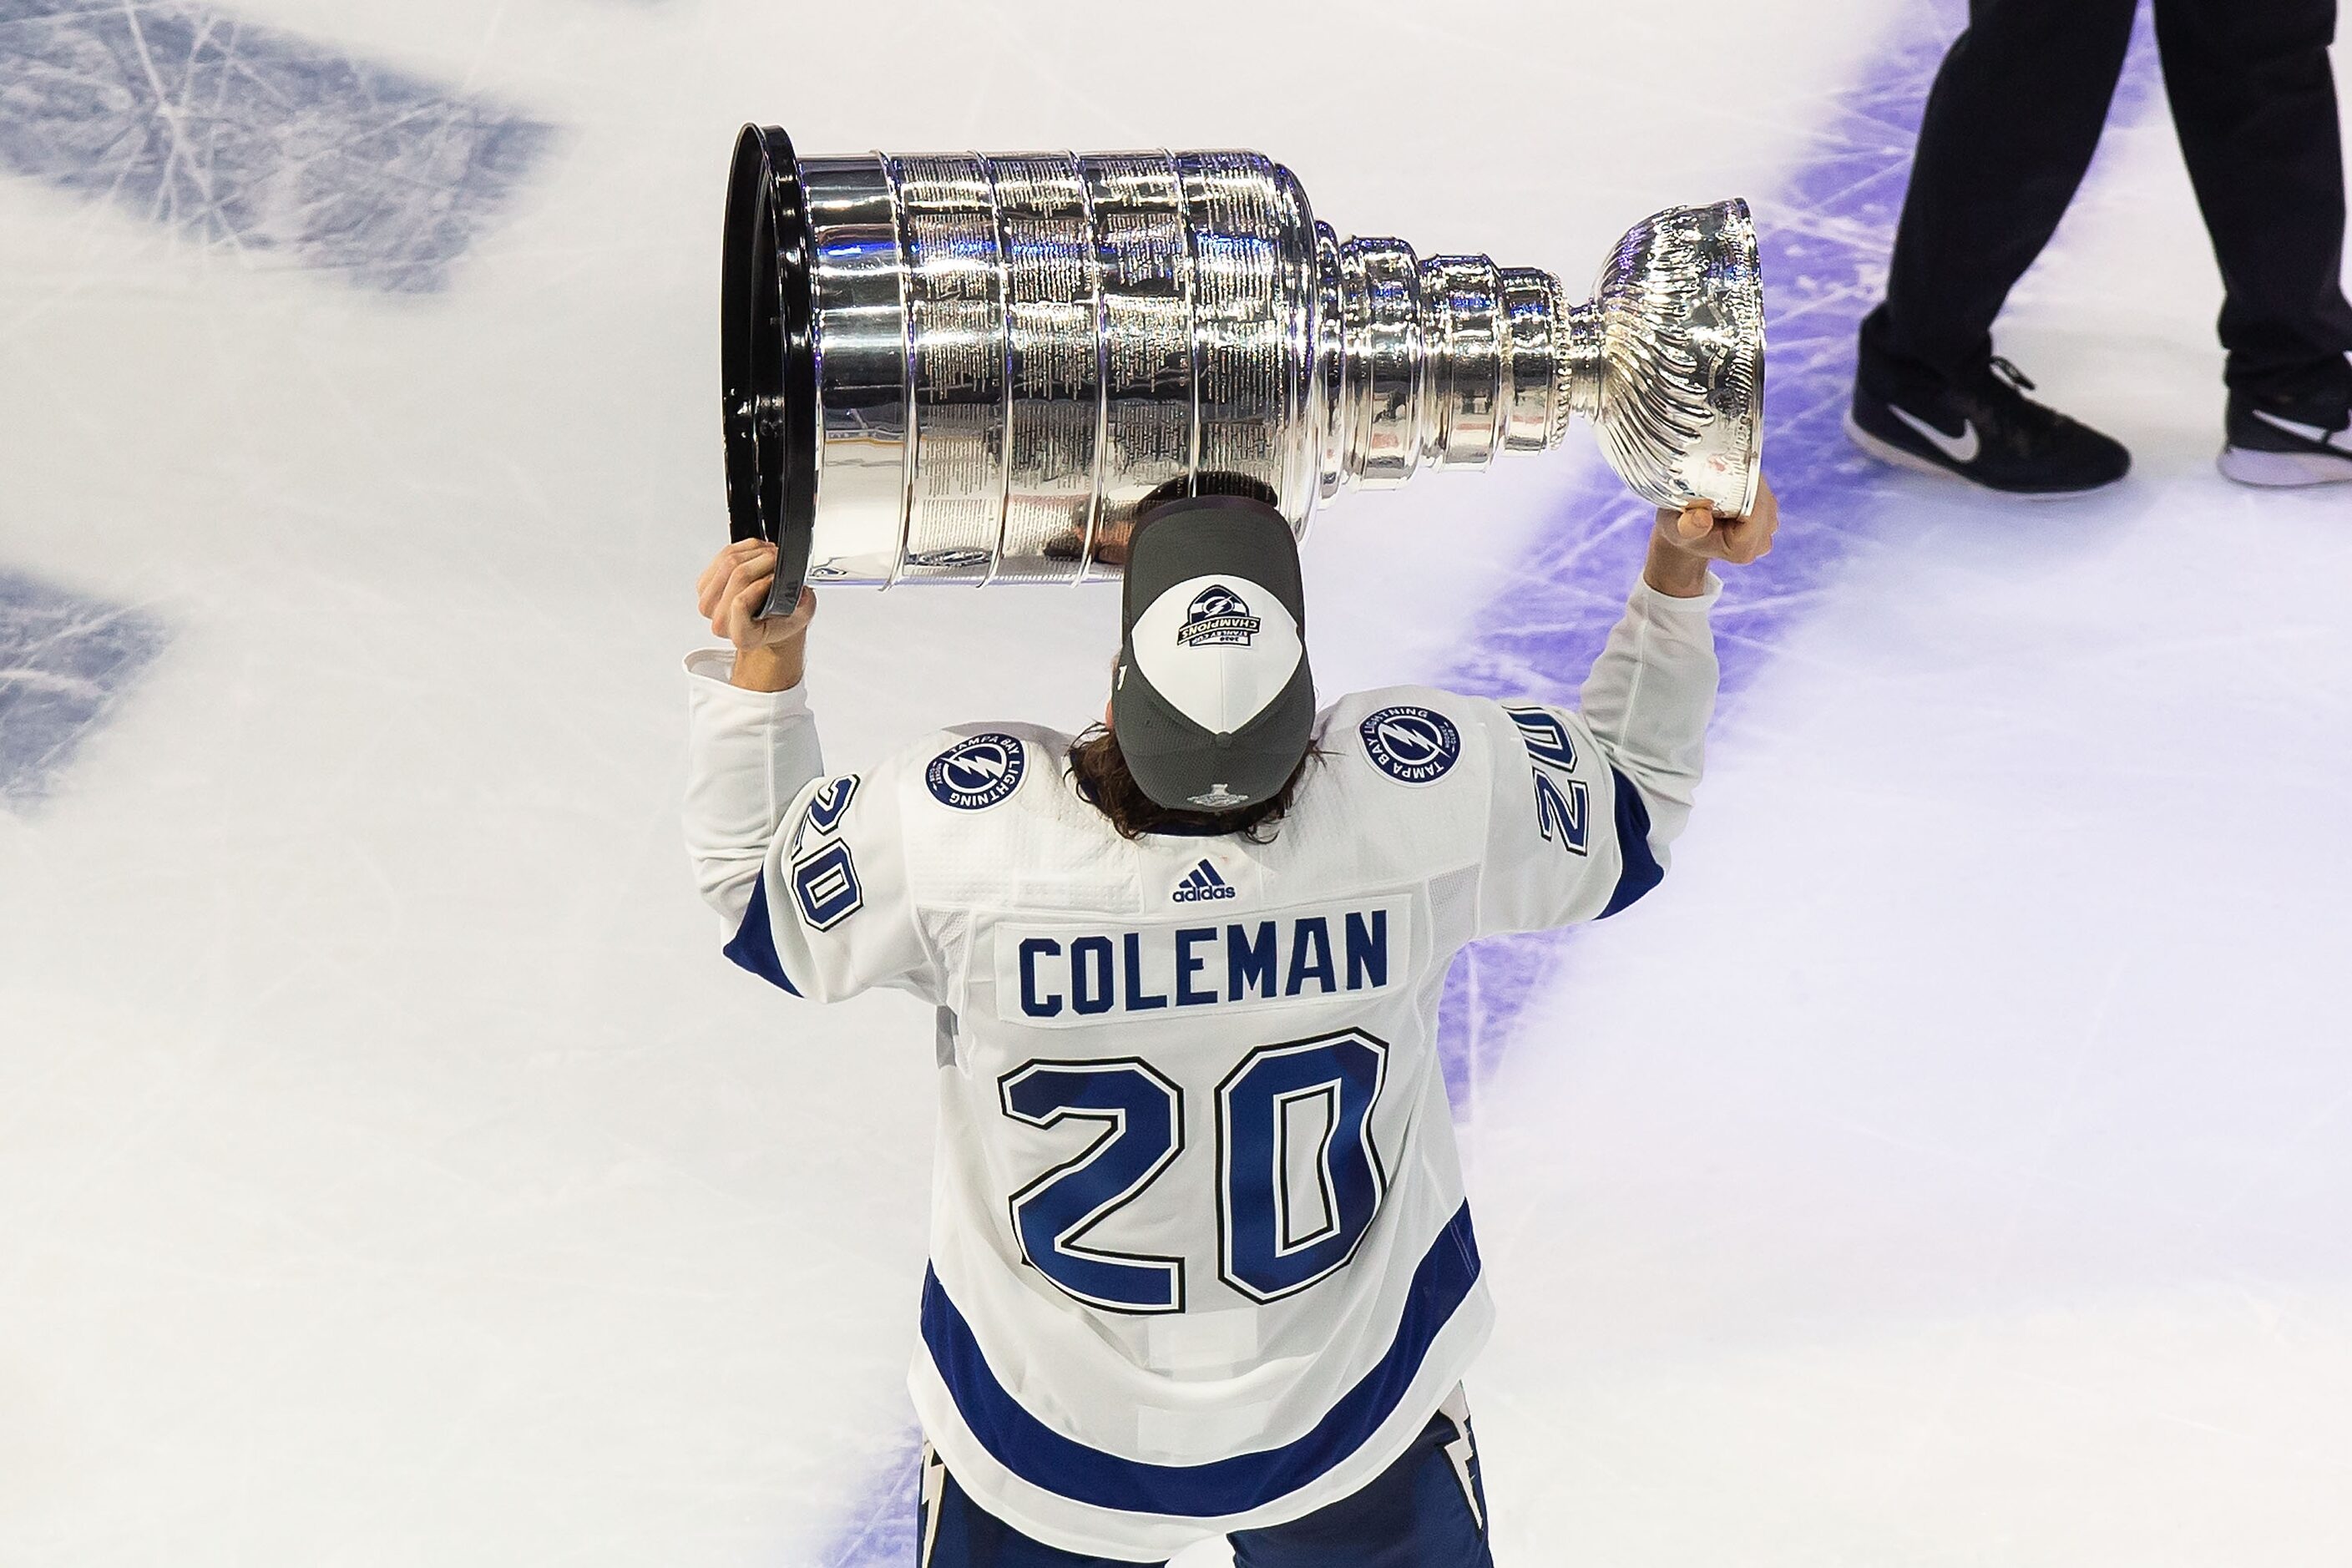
{"x": 1213, "y": 704}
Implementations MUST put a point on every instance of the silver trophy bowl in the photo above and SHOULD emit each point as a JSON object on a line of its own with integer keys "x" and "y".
{"x": 980, "y": 368}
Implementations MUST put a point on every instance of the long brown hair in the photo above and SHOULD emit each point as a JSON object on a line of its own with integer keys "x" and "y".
{"x": 1099, "y": 770}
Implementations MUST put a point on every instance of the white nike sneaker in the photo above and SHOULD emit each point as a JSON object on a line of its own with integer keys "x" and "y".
{"x": 2281, "y": 443}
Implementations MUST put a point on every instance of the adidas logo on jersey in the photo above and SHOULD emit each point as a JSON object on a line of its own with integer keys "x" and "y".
{"x": 1203, "y": 884}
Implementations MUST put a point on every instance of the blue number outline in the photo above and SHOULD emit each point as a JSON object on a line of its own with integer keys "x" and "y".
{"x": 826, "y": 808}
{"x": 1285, "y": 1245}
{"x": 1543, "y": 733}
{"x": 1572, "y": 813}
{"x": 1172, "y": 1269}
{"x": 827, "y": 912}
{"x": 1228, "y": 1268}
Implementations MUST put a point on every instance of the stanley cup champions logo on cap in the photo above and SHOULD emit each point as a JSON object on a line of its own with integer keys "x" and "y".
{"x": 1218, "y": 616}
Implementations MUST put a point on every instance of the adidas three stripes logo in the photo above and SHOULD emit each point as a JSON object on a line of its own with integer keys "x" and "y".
{"x": 1203, "y": 883}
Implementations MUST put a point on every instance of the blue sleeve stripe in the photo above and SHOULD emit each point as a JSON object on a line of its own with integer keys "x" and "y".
{"x": 1642, "y": 870}
{"x": 754, "y": 945}
{"x": 1044, "y": 1458}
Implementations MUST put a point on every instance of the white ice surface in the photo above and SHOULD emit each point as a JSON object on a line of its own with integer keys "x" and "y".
{"x": 1950, "y": 1165}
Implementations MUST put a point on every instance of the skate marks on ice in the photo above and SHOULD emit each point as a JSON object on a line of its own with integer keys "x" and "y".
{"x": 879, "y": 1532}
{"x": 239, "y": 138}
{"x": 282, "y": 151}
{"x": 1825, "y": 237}
{"x": 64, "y": 660}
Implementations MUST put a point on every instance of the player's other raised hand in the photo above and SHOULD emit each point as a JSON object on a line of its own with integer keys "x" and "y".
{"x": 1737, "y": 541}
{"x": 1684, "y": 542}
{"x": 728, "y": 594}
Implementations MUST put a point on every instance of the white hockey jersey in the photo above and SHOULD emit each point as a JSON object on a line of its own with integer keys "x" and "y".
{"x": 1200, "y": 1257}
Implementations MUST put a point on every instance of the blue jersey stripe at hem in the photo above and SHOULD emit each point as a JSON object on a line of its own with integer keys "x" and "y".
{"x": 1046, "y": 1458}
{"x": 754, "y": 944}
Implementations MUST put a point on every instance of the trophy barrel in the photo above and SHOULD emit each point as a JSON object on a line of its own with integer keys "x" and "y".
{"x": 971, "y": 368}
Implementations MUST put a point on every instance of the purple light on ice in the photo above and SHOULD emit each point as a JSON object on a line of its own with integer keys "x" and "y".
{"x": 1825, "y": 240}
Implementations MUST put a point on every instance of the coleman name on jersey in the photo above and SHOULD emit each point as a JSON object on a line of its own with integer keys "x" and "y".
{"x": 1054, "y": 976}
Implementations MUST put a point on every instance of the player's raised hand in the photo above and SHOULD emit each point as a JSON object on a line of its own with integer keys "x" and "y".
{"x": 768, "y": 652}
{"x": 1684, "y": 542}
{"x": 1735, "y": 541}
{"x": 732, "y": 588}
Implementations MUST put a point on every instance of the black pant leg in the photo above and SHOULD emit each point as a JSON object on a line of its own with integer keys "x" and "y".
{"x": 953, "y": 1532}
{"x": 2255, "y": 103}
{"x": 2010, "y": 127}
{"x": 1428, "y": 1509}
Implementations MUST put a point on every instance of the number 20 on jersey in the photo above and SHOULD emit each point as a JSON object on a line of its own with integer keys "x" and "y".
{"x": 1298, "y": 1179}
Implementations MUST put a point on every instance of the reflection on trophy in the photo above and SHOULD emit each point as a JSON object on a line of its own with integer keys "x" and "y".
{"x": 973, "y": 369}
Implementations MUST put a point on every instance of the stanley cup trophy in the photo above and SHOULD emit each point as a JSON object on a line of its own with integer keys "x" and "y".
{"x": 976, "y": 369}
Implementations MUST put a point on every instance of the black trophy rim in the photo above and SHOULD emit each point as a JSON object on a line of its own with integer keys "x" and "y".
{"x": 768, "y": 357}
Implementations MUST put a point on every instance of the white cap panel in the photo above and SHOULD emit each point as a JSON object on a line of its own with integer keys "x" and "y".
{"x": 1218, "y": 648}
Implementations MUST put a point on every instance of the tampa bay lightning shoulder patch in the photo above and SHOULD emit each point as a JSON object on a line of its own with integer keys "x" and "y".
{"x": 977, "y": 772}
{"x": 1411, "y": 745}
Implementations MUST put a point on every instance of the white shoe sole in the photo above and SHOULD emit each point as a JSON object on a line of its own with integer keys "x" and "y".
{"x": 2284, "y": 470}
{"x": 1887, "y": 452}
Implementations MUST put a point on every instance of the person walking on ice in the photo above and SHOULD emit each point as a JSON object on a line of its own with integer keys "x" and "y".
{"x": 2006, "y": 138}
{"x": 1201, "y": 1262}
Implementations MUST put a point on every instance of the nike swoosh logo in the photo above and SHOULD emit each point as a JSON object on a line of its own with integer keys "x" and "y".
{"x": 2334, "y": 440}
{"x": 1961, "y": 448}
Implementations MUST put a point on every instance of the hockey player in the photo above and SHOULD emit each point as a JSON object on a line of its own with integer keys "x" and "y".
{"x": 1201, "y": 1258}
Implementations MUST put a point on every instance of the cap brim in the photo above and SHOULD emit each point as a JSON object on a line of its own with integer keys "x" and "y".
{"x": 1185, "y": 768}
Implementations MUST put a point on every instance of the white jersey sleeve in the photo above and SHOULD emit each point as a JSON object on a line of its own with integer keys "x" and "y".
{"x": 1585, "y": 802}
{"x": 809, "y": 870}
